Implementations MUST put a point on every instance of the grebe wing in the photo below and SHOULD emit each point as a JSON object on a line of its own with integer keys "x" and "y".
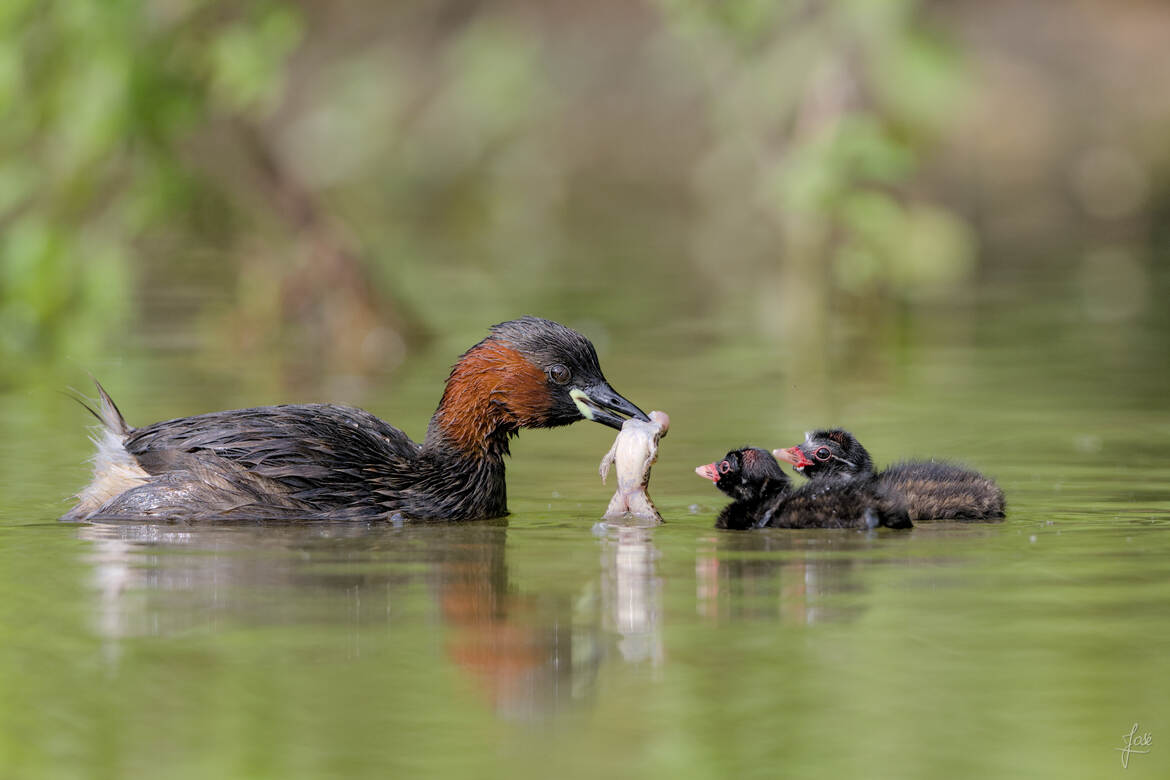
{"x": 295, "y": 444}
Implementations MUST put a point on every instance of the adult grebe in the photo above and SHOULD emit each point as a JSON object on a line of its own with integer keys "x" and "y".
{"x": 327, "y": 462}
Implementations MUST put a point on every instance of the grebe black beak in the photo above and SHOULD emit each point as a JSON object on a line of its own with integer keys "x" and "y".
{"x": 602, "y": 404}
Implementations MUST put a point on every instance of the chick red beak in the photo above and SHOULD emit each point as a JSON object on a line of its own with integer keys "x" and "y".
{"x": 708, "y": 472}
{"x": 793, "y": 455}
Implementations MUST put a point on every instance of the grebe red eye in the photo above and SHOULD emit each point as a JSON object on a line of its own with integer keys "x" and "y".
{"x": 559, "y": 373}
{"x": 724, "y": 467}
{"x": 822, "y": 453}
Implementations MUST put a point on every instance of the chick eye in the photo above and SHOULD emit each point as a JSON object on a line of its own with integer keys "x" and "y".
{"x": 559, "y": 373}
{"x": 822, "y": 453}
{"x": 724, "y": 467}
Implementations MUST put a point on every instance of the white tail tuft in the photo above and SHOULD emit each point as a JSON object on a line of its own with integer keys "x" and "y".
{"x": 114, "y": 469}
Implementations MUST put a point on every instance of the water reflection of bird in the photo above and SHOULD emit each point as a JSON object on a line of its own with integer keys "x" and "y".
{"x": 321, "y": 461}
{"x": 931, "y": 490}
{"x": 780, "y": 577}
{"x": 764, "y": 497}
{"x": 356, "y": 588}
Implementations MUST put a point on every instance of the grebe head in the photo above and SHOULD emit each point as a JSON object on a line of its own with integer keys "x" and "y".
{"x": 562, "y": 382}
{"x": 528, "y": 373}
{"x": 745, "y": 474}
{"x": 832, "y": 452}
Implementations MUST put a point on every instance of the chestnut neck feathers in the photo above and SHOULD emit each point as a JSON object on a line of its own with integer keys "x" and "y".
{"x": 492, "y": 392}
{"x": 523, "y": 375}
{"x": 517, "y": 377}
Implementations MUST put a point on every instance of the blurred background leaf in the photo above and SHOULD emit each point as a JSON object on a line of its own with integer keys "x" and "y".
{"x": 330, "y": 183}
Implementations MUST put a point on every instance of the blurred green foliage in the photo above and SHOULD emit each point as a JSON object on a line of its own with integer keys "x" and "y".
{"x": 332, "y": 180}
{"x": 99, "y": 97}
{"x": 825, "y": 111}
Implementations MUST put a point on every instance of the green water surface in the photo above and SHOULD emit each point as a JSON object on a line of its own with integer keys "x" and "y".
{"x": 545, "y": 645}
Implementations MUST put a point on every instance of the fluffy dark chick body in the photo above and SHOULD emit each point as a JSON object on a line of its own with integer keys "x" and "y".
{"x": 765, "y": 498}
{"x": 931, "y": 490}
{"x": 944, "y": 491}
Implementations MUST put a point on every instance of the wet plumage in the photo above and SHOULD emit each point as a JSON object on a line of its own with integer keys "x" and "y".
{"x": 329, "y": 462}
{"x": 932, "y": 490}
